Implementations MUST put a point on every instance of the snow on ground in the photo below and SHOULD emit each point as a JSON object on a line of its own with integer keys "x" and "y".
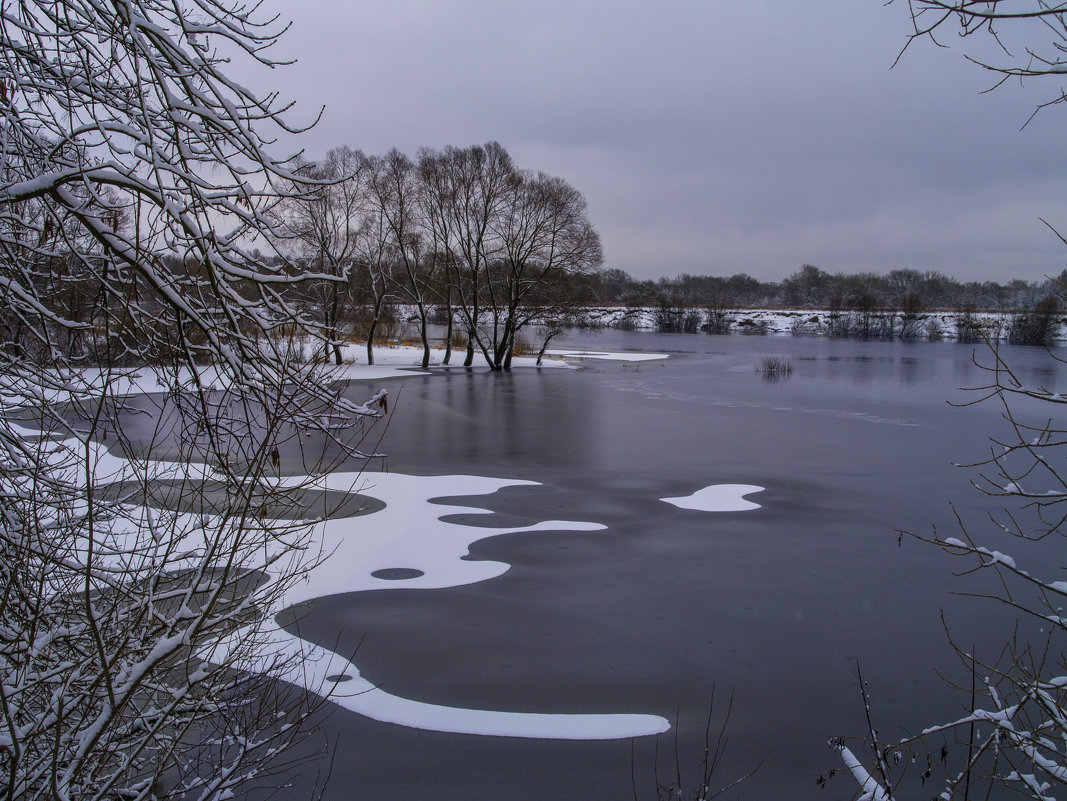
{"x": 390, "y": 361}
{"x": 57, "y": 387}
{"x": 785, "y": 321}
{"x": 718, "y": 498}
{"x": 400, "y": 360}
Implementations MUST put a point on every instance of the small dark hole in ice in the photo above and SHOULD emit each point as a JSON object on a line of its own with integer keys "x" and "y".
{"x": 397, "y": 573}
{"x": 338, "y": 677}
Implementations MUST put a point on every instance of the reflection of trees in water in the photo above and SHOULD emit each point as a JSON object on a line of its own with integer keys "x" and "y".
{"x": 910, "y": 370}
{"x": 476, "y": 417}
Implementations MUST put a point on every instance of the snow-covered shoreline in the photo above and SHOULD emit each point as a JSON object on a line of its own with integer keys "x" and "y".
{"x": 392, "y": 361}
{"x": 787, "y": 321}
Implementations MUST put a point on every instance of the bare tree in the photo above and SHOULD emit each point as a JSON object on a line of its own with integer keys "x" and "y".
{"x": 134, "y": 175}
{"x": 320, "y": 221}
{"x": 547, "y": 242}
{"x": 438, "y": 200}
{"x": 378, "y": 254}
{"x": 511, "y": 240}
{"x": 399, "y": 191}
{"x": 479, "y": 179}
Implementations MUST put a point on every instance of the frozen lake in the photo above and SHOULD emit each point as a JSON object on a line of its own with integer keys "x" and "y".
{"x": 775, "y": 604}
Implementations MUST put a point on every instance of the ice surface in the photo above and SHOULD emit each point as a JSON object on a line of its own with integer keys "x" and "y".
{"x": 410, "y": 533}
{"x": 310, "y": 665}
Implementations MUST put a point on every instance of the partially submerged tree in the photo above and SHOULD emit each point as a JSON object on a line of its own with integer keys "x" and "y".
{"x": 133, "y": 181}
{"x": 376, "y": 256}
{"x": 478, "y": 180}
{"x": 505, "y": 244}
{"x": 546, "y": 245}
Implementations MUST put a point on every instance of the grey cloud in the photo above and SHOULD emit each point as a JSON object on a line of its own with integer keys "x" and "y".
{"x": 708, "y": 136}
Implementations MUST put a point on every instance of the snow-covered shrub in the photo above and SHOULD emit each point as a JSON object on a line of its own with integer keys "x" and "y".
{"x": 803, "y": 327}
{"x": 671, "y": 317}
{"x": 912, "y": 326}
{"x": 753, "y": 326}
{"x": 970, "y": 329}
{"x": 717, "y": 320}
{"x": 1038, "y": 325}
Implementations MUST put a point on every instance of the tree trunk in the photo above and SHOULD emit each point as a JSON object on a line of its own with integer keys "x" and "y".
{"x": 448, "y": 330}
{"x": 544, "y": 347}
{"x": 448, "y": 337}
{"x": 425, "y": 338}
{"x": 370, "y": 339}
{"x": 502, "y": 349}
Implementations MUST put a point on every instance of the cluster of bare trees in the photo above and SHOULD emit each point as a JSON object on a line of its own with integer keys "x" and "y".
{"x": 133, "y": 180}
{"x": 459, "y": 235}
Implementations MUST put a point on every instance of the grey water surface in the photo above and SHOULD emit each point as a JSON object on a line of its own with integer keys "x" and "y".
{"x": 774, "y": 607}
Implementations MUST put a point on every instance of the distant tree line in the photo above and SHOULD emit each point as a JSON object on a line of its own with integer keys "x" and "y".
{"x": 812, "y": 288}
{"x": 862, "y": 305}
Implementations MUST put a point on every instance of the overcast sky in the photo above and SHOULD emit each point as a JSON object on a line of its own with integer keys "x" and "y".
{"x": 709, "y": 137}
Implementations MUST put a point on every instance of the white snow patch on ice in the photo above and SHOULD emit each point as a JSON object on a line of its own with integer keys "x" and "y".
{"x": 395, "y": 361}
{"x": 718, "y": 498}
{"x": 410, "y": 533}
{"x": 407, "y": 533}
{"x": 615, "y": 356}
{"x": 312, "y": 666}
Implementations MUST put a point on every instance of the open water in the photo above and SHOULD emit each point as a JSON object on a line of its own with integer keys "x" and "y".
{"x": 774, "y": 607}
